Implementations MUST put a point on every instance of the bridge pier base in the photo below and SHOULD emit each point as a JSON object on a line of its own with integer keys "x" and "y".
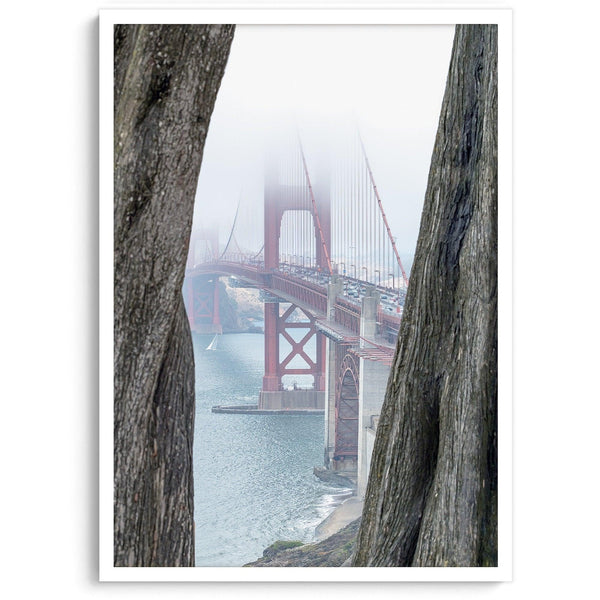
{"x": 291, "y": 399}
{"x": 373, "y": 382}
{"x": 331, "y": 373}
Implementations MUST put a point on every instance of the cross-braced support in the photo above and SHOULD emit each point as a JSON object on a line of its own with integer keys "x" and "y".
{"x": 281, "y": 325}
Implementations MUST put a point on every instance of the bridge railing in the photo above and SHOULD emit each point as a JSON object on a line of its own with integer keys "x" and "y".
{"x": 347, "y": 314}
{"x": 242, "y": 258}
{"x": 311, "y": 294}
{"x": 388, "y": 324}
{"x": 347, "y": 311}
{"x": 251, "y": 272}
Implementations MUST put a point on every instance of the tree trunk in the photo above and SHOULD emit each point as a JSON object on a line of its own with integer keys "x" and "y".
{"x": 432, "y": 492}
{"x": 166, "y": 82}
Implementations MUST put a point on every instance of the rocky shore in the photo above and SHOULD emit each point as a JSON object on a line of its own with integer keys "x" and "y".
{"x": 334, "y": 551}
{"x": 336, "y": 538}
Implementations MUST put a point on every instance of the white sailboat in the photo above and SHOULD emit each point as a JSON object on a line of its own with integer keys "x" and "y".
{"x": 213, "y": 343}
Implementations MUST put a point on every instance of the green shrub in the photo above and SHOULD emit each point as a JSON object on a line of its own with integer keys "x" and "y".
{"x": 280, "y": 546}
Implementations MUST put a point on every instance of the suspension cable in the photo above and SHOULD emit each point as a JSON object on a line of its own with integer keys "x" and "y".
{"x": 314, "y": 207}
{"x": 232, "y": 227}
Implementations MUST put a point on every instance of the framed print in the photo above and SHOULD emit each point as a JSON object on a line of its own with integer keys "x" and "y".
{"x": 305, "y": 279}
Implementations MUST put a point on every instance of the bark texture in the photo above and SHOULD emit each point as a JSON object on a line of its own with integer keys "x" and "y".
{"x": 166, "y": 82}
{"x": 432, "y": 492}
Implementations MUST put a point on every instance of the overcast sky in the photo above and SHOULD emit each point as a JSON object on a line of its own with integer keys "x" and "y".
{"x": 386, "y": 80}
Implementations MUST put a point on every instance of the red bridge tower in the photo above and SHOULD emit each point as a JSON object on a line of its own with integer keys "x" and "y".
{"x": 281, "y": 321}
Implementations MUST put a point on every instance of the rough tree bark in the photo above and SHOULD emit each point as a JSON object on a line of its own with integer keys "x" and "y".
{"x": 166, "y": 82}
{"x": 432, "y": 493}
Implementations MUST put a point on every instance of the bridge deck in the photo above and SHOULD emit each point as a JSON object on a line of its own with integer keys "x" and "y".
{"x": 312, "y": 298}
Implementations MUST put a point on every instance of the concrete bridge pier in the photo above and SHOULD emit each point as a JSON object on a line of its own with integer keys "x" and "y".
{"x": 354, "y": 396}
{"x": 373, "y": 382}
{"x": 331, "y": 370}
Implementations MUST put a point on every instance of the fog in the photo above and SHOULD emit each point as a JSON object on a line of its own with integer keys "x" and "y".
{"x": 321, "y": 83}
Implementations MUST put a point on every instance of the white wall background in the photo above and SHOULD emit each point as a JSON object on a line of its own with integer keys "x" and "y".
{"x": 49, "y": 310}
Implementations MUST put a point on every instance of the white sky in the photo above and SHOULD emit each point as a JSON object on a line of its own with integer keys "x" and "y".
{"x": 388, "y": 80}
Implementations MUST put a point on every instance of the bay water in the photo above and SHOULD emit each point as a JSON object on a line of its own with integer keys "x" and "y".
{"x": 253, "y": 474}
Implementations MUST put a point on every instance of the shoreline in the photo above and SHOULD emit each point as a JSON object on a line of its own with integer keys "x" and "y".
{"x": 343, "y": 514}
{"x": 333, "y": 544}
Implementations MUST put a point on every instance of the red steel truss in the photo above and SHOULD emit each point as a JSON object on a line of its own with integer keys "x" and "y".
{"x": 277, "y": 325}
{"x": 201, "y": 296}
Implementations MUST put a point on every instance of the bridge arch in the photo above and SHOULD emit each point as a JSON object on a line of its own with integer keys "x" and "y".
{"x": 346, "y": 413}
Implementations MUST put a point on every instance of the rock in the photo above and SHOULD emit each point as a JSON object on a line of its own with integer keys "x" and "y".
{"x": 333, "y": 478}
{"x": 280, "y": 546}
{"x": 331, "y": 552}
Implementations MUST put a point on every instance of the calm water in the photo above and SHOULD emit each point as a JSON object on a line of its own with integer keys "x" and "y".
{"x": 253, "y": 473}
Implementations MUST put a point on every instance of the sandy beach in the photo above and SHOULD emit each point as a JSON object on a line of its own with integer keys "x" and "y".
{"x": 344, "y": 514}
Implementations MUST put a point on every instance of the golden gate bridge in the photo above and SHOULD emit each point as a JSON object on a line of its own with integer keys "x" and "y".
{"x": 326, "y": 265}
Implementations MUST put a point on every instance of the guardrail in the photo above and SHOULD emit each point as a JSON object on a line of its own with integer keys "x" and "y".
{"x": 309, "y": 293}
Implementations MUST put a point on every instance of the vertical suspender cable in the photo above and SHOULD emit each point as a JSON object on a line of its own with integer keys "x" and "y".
{"x": 391, "y": 239}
